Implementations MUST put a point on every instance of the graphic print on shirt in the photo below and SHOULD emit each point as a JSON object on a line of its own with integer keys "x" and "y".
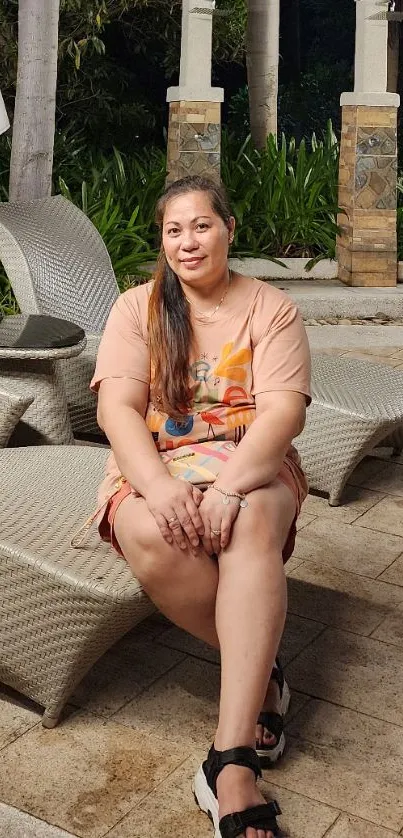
{"x": 223, "y": 403}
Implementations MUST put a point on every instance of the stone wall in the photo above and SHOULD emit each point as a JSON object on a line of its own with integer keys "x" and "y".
{"x": 367, "y": 247}
{"x": 194, "y": 140}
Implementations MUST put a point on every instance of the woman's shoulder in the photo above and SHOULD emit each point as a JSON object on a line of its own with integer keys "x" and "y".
{"x": 268, "y": 309}
{"x": 264, "y": 297}
{"x": 136, "y": 296}
{"x": 134, "y": 301}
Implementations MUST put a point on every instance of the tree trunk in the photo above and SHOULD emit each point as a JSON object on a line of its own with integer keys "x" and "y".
{"x": 35, "y": 103}
{"x": 262, "y": 49}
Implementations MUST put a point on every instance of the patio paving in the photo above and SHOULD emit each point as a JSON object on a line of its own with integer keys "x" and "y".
{"x": 121, "y": 762}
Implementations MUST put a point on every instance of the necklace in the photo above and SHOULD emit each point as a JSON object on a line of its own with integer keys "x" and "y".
{"x": 211, "y": 314}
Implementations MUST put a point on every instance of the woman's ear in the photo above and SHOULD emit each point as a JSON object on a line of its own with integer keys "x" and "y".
{"x": 231, "y": 229}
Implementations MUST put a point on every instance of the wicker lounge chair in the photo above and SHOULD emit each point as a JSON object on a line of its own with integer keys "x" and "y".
{"x": 58, "y": 264}
{"x": 356, "y": 405}
{"x": 60, "y": 608}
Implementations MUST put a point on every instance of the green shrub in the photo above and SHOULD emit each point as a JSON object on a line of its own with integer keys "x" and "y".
{"x": 284, "y": 198}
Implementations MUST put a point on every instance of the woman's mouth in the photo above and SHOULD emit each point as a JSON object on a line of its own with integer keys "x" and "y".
{"x": 192, "y": 262}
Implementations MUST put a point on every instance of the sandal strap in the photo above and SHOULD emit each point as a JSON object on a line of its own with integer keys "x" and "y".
{"x": 259, "y": 817}
{"x": 274, "y": 723}
{"x": 217, "y": 760}
{"x": 277, "y": 675}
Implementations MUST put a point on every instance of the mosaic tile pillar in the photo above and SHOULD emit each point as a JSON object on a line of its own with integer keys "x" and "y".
{"x": 367, "y": 246}
{"x": 194, "y": 140}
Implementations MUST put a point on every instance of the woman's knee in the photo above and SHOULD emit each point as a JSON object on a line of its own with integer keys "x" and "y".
{"x": 267, "y": 518}
{"x": 152, "y": 560}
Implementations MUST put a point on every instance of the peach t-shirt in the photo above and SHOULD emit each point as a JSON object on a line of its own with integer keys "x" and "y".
{"x": 255, "y": 343}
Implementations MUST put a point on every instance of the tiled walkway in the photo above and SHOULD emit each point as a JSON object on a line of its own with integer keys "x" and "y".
{"x": 121, "y": 762}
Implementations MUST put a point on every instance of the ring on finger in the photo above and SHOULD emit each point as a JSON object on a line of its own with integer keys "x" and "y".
{"x": 216, "y": 532}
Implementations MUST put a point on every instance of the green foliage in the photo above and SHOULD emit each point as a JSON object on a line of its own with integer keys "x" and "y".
{"x": 116, "y": 59}
{"x": 284, "y": 198}
{"x": 229, "y": 31}
{"x": 104, "y": 54}
{"x": 8, "y": 303}
{"x": 119, "y": 196}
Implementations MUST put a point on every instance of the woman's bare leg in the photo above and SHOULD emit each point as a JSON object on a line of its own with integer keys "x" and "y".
{"x": 189, "y": 598}
{"x": 249, "y": 598}
{"x": 250, "y": 614}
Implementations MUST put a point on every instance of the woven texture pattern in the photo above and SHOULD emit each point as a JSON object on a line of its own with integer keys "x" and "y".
{"x": 77, "y": 374}
{"x": 58, "y": 264}
{"x": 355, "y": 406}
{"x": 14, "y": 401}
{"x": 47, "y": 420}
{"x": 60, "y": 608}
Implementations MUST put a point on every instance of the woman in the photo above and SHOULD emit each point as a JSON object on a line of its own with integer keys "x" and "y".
{"x": 204, "y": 355}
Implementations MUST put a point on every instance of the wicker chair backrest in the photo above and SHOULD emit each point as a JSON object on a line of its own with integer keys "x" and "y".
{"x": 57, "y": 262}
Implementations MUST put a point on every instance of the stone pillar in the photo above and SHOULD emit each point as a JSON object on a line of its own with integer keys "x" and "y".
{"x": 194, "y": 131}
{"x": 367, "y": 246}
{"x": 194, "y": 140}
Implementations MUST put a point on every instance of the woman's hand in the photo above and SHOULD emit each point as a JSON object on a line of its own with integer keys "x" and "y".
{"x": 218, "y": 519}
{"x": 174, "y": 504}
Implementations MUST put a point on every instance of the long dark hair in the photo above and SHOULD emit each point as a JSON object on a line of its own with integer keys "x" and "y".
{"x": 169, "y": 324}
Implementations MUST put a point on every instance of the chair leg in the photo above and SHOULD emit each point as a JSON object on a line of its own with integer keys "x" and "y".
{"x": 50, "y": 719}
{"x": 335, "y": 497}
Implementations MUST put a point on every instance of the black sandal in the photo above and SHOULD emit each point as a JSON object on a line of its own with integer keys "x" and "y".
{"x": 274, "y": 722}
{"x": 205, "y": 791}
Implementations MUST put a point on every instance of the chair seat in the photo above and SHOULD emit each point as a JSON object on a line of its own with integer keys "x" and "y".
{"x": 373, "y": 392}
{"x": 61, "y": 608}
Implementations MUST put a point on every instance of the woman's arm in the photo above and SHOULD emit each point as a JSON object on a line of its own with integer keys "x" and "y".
{"x": 122, "y": 404}
{"x": 258, "y": 457}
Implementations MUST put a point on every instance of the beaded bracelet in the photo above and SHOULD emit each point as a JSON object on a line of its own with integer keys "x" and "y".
{"x": 228, "y": 495}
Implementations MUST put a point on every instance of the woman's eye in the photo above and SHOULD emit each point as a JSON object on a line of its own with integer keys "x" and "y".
{"x": 202, "y": 226}
{"x": 173, "y": 230}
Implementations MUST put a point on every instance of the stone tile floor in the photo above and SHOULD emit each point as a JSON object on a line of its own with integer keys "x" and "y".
{"x": 121, "y": 762}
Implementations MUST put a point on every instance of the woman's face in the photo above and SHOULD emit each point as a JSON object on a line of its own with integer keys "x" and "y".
{"x": 195, "y": 239}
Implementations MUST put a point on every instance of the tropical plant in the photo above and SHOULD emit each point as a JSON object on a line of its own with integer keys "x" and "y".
{"x": 284, "y": 197}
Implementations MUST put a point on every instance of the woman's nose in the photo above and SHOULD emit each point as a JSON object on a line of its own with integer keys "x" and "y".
{"x": 189, "y": 240}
